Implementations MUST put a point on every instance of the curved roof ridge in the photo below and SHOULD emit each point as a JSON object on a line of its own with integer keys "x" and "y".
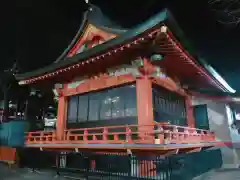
{"x": 94, "y": 16}
{"x": 137, "y": 30}
{"x": 98, "y": 18}
{"x": 75, "y": 39}
{"x": 112, "y": 30}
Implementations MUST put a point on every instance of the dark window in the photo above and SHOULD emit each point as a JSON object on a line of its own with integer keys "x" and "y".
{"x": 72, "y": 109}
{"x": 108, "y": 104}
{"x": 201, "y": 116}
{"x": 130, "y": 101}
{"x": 94, "y": 105}
{"x": 82, "y": 108}
{"x": 117, "y": 102}
{"x": 168, "y": 106}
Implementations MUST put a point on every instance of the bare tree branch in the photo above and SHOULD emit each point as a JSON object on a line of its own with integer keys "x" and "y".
{"x": 228, "y": 11}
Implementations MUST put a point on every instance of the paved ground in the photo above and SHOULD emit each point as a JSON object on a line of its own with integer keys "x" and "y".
{"x": 233, "y": 174}
{"x": 25, "y": 174}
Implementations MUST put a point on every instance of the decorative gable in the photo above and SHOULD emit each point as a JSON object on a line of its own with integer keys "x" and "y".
{"x": 91, "y": 37}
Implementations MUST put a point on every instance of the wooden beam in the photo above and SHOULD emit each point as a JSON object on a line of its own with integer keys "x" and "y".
{"x": 171, "y": 152}
{"x": 168, "y": 85}
{"x": 99, "y": 84}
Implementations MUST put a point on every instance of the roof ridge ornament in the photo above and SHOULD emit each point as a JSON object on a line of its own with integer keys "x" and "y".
{"x": 163, "y": 29}
{"x": 89, "y": 4}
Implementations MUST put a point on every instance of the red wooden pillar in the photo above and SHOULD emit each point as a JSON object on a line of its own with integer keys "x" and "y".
{"x": 189, "y": 112}
{"x": 145, "y": 117}
{"x": 144, "y": 102}
{"x": 61, "y": 118}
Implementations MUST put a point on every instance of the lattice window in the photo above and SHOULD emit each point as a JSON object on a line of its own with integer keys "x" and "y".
{"x": 108, "y": 104}
{"x": 168, "y": 106}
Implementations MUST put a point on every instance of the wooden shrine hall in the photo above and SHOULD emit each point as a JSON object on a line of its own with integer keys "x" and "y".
{"x": 126, "y": 90}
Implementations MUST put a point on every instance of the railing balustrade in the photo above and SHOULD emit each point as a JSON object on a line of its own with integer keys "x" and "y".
{"x": 159, "y": 133}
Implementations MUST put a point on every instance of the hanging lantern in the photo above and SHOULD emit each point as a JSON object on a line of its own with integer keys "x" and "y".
{"x": 156, "y": 57}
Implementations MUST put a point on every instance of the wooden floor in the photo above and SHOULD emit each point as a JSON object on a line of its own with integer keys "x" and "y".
{"x": 123, "y": 146}
{"x": 160, "y": 149}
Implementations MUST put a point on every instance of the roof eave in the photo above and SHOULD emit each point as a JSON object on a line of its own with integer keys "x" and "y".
{"x": 178, "y": 33}
{"x": 162, "y": 17}
{"x": 220, "y": 79}
{"x": 159, "y": 18}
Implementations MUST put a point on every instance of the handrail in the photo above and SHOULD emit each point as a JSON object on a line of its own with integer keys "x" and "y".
{"x": 157, "y": 133}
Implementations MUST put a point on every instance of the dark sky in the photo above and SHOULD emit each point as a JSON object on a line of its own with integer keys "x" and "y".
{"x": 36, "y": 32}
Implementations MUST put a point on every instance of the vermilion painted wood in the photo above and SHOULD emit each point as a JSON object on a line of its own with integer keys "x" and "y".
{"x": 144, "y": 106}
{"x": 189, "y": 112}
{"x": 185, "y": 65}
{"x": 146, "y": 132}
{"x": 61, "y": 117}
{"x": 98, "y": 84}
{"x": 89, "y": 35}
{"x": 8, "y": 155}
{"x": 168, "y": 84}
{"x": 134, "y": 134}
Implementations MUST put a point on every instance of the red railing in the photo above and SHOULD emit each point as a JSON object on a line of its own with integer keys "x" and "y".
{"x": 161, "y": 133}
{"x": 41, "y": 137}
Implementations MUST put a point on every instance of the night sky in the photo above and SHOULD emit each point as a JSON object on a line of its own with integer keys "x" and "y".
{"x": 36, "y": 32}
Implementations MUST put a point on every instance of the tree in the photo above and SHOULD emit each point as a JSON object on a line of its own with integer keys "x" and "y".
{"x": 228, "y": 11}
{"x": 7, "y": 81}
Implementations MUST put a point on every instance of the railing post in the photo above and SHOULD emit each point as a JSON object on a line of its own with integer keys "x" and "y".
{"x": 66, "y": 136}
{"x": 160, "y": 134}
{"x": 128, "y": 135}
{"x": 28, "y": 137}
{"x": 85, "y": 135}
{"x": 41, "y": 137}
{"x": 105, "y": 134}
{"x": 94, "y": 137}
{"x": 202, "y": 136}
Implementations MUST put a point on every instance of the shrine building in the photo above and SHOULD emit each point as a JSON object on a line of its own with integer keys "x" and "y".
{"x": 136, "y": 90}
